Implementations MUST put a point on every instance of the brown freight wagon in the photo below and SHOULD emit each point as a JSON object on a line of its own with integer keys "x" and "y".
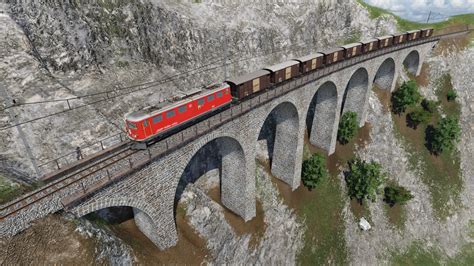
{"x": 426, "y": 33}
{"x": 333, "y": 55}
{"x": 283, "y": 71}
{"x": 413, "y": 34}
{"x": 370, "y": 45}
{"x": 352, "y": 49}
{"x": 399, "y": 38}
{"x": 310, "y": 62}
{"x": 248, "y": 84}
{"x": 385, "y": 41}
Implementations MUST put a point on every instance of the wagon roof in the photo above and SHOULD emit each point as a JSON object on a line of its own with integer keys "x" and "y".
{"x": 281, "y": 66}
{"x": 413, "y": 31}
{"x": 309, "y": 57}
{"x": 332, "y": 50}
{"x": 248, "y": 76}
{"x": 350, "y": 45}
{"x": 369, "y": 40}
{"x": 399, "y": 33}
{"x": 385, "y": 37}
{"x": 427, "y": 29}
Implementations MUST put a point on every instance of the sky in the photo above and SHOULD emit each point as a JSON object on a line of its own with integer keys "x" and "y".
{"x": 418, "y": 10}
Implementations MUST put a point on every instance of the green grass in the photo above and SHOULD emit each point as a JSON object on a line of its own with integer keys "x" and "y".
{"x": 441, "y": 174}
{"x": 324, "y": 238}
{"x": 404, "y": 25}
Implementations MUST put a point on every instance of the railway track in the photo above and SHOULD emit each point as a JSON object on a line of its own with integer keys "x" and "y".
{"x": 95, "y": 165}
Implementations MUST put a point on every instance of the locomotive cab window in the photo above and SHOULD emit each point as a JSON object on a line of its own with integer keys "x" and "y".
{"x": 182, "y": 109}
{"x": 157, "y": 119}
{"x": 210, "y": 98}
{"x": 131, "y": 125}
{"x": 220, "y": 94}
{"x": 170, "y": 114}
{"x": 201, "y": 102}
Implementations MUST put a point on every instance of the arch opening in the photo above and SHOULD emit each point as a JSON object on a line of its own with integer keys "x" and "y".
{"x": 321, "y": 117}
{"x": 219, "y": 167}
{"x": 412, "y": 62}
{"x": 355, "y": 94}
{"x": 278, "y": 141}
{"x": 384, "y": 78}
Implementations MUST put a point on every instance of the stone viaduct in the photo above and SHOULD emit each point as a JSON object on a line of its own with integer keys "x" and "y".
{"x": 153, "y": 191}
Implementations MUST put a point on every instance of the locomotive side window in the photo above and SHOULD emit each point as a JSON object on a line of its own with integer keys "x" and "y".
{"x": 220, "y": 94}
{"x": 157, "y": 119}
{"x": 182, "y": 109}
{"x": 170, "y": 114}
{"x": 131, "y": 125}
{"x": 201, "y": 102}
{"x": 210, "y": 98}
{"x": 145, "y": 123}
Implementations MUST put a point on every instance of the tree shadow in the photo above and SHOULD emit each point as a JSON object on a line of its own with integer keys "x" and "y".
{"x": 410, "y": 123}
{"x": 429, "y": 138}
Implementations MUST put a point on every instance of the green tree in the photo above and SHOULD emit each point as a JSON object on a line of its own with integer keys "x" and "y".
{"x": 445, "y": 135}
{"x": 418, "y": 116}
{"x": 364, "y": 179}
{"x": 451, "y": 95}
{"x": 429, "y": 105}
{"x": 406, "y": 96}
{"x": 397, "y": 194}
{"x": 314, "y": 171}
{"x": 347, "y": 127}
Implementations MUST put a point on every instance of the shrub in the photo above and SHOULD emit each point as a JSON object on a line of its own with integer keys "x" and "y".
{"x": 364, "y": 179}
{"x": 347, "y": 127}
{"x": 397, "y": 194}
{"x": 407, "y": 95}
{"x": 429, "y": 105}
{"x": 451, "y": 95}
{"x": 419, "y": 116}
{"x": 314, "y": 171}
{"x": 445, "y": 135}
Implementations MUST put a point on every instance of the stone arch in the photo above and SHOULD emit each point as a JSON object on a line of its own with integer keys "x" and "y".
{"x": 412, "y": 62}
{"x": 321, "y": 117}
{"x": 355, "y": 94}
{"x": 145, "y": 217}
{"x": 279, "y": 136}
{"x": 226, "y": 156}
{"x": 385, "y": 76}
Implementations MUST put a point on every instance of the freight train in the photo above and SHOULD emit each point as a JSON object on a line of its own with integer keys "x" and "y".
{"x": 186, "y": 108}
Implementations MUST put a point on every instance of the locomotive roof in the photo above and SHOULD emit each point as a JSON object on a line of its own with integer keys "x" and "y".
{"x": 385, "y": 37}
{"x": 184, "y": 97}
{"x": 369, "y": 40}
{"x": 281, "y": 66}
{"x": 350, "y": 45}
{"x": 332, "y": 50}
{"x": 249, "y": 76}
{"x": 308, "y": 57}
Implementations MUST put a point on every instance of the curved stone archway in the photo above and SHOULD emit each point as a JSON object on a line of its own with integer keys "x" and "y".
{"x": 412, "y": 62}
{"x": 385, "y": 76}
{"x": 321, "y": 117}
{"x": 224, "y": 158}
{"x": 356, "y": 94}
{"x": 145, "y": 216}
{"x": 279, "y": 138}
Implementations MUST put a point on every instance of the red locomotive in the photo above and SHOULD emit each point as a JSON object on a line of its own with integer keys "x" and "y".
{"x": 150, "y": 122}
{"x": 153, "y": 122}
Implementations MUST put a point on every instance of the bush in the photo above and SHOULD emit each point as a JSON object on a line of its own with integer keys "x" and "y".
{"x": 429, "y": 105}
{"x": 314, "y": 171}
{"x": 364, "y": 179}
{"x": 406, "y": 96}
{"x": 418, "y": 116}
{"x": 451, "y": 95}
{"x": 347, "y": 127}
{"x": 397, "y": 194}
{"x": 445, "y": 135}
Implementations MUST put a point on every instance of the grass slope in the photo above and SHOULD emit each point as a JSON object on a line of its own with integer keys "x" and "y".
{"x": 404, "y": 25}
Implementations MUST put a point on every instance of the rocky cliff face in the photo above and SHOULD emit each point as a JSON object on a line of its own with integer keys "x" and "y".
{"x": 60, "y": 49}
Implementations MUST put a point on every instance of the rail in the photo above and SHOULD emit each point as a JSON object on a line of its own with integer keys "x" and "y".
{"x": 110, "y": 169}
